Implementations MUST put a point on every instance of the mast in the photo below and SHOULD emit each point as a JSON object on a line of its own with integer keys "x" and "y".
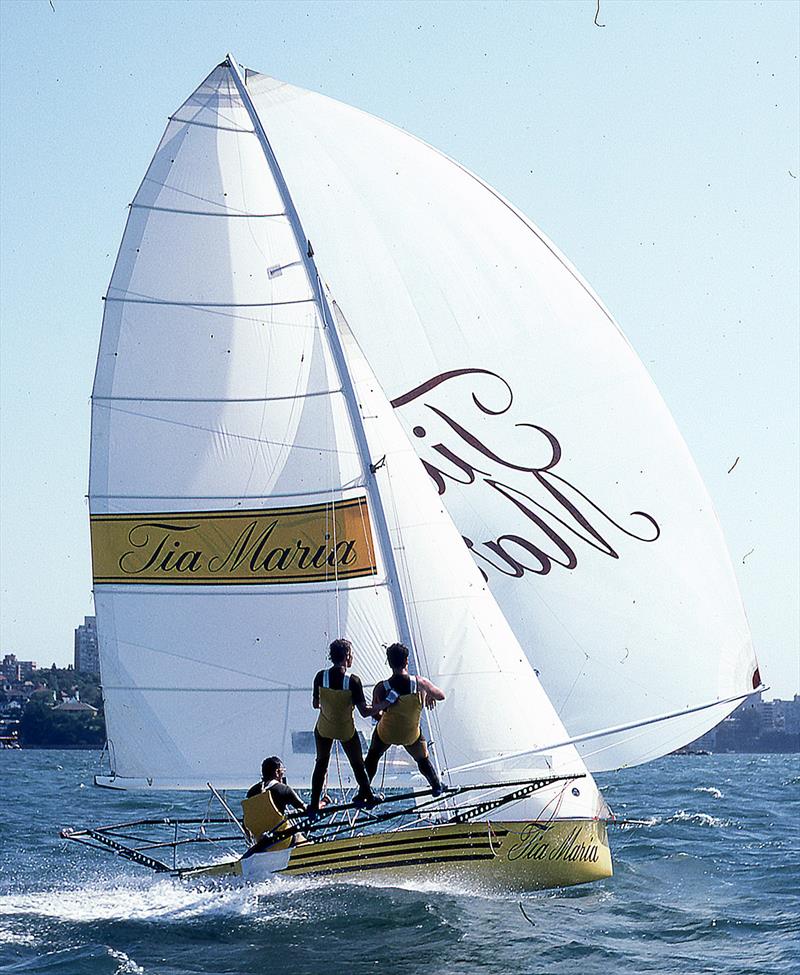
{"x": 306, "y": 255}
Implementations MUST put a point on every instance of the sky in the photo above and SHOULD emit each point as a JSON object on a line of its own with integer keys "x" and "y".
{"x": 659, "y": 152}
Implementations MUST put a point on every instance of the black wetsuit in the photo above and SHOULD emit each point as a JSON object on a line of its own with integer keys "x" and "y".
{"x": 336, "y": 681}
{"x": 351, "y": 747}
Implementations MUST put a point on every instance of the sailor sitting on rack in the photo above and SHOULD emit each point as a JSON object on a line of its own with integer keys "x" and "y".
{"x": 264, "y": 809}
{"x": 335, "y": 695}
{"x": 399, "y": 701}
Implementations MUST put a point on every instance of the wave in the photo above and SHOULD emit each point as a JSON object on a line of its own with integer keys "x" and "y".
{"x": 709, "y": 790}
{"x": 127, "y": 966}
{"x": 88, "y": 957}
{"x": 11, "y": 937}
{"x": 698, "y": 819}
{"x": 681, "y": 816}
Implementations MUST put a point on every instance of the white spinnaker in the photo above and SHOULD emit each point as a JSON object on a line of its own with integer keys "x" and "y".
{"x": 201, "y": 681}
{"x": 517, "y": 383}
{"x": 495, "y": 704}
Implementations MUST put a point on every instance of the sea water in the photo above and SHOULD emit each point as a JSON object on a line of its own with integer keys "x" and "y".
{"x": 710, "y": 884}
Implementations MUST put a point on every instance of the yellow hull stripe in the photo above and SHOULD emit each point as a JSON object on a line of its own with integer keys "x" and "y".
{"x": 509, "y": 856}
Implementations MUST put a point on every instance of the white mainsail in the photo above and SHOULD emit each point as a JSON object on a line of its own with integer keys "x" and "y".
{"x": 216, "y": 392}
{"x": 236, "y": 521}
{"x": 548, "y": 441}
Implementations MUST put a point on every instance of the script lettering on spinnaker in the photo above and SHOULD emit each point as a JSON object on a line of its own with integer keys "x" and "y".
{"x": 550, "y": 516}
{"x": 313, "y": 543}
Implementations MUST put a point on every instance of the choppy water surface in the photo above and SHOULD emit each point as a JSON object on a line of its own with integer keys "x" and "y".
{"x": 711, "y": 885}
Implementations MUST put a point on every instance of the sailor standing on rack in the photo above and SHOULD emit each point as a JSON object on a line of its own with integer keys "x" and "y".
{"x": 401, "y": 699}
{"x": 335, "y": 695}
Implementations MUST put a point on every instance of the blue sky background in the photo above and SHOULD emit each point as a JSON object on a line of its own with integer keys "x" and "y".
{"x": 660, "y": 153}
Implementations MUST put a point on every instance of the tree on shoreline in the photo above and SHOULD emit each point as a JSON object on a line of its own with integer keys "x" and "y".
{"x": 44, "y": 726}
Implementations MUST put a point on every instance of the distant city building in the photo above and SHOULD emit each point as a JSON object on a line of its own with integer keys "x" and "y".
{"x": 87, "y": 658}
{"x": 756, "y": 726}
{"x": 17, "y": 670}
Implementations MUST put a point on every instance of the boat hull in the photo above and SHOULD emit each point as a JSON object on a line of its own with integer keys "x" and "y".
{"x": 508, "y": 856}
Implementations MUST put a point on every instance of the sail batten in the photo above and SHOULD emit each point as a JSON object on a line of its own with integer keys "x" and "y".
{"x": 218, "y": 497}
{"x": 209, "y": 304}
{"x": 214, "y": 399}
{"x": 231, "y": 214}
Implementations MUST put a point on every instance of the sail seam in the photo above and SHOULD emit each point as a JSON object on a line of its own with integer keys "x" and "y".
{"x": 207, "y": 588}
{"x": 351, "y": 486}
{"x": 210, "y": 125}
{"x": 217, "y": 399}
{"x": 210, "y": 304}
{"x": 204, "y": 213}
{"x": 286, "y": 580}
{"x": 227, "y": 434}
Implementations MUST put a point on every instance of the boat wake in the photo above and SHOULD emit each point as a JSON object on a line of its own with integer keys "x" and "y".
{"x": 168, "y": 901}
{"x": 145, "y": 900}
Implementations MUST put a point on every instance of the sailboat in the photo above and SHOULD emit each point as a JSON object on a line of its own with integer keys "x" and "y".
{"x": 345, "y": 389}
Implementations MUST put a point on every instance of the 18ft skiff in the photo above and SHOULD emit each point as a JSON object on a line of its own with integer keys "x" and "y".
{"x": 260, "y": 410}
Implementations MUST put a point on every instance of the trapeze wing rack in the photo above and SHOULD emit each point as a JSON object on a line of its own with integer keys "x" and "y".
{"x": 481, "y": 808}
{"x": 448, "y": 792}
{"x": 303, "y": 823}
{"x": 126, "y": 852}
{"x": 136, "y": 840}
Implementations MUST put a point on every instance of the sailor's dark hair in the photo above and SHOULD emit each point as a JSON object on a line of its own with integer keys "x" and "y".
{"x": 397, "y": 655}
{"x": 339, "y": 650}
{"x": 270, "y": 766}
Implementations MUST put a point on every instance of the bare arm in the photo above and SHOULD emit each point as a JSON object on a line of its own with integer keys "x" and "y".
{"x": 430, "y": 692}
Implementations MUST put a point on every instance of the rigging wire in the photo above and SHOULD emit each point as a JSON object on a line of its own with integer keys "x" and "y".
{"x": 217, "y": 432}
{"x": 429, "y": 717}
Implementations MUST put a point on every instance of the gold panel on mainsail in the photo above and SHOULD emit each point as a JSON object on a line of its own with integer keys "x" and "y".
{"x": 312, "y": 543}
